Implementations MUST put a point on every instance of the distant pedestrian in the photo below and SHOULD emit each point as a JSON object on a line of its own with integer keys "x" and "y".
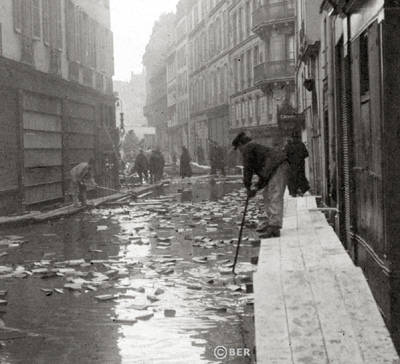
{"x": 153, "y": 163}
{"x": 271, "y": 168}
{"x": 296, "y": 153}
{"x": 141, "y": 166}
{"x": 81, "y": 174}
{"x": 200, "y": 155}
{"x": 231, "y": 161}
{"x": 174, "y": 158}
{"x": 156, "y": 165}
{"x": 185, "y": 169}
{"x": 217, "y": 158}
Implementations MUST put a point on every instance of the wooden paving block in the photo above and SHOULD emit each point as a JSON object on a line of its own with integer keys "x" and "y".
{"x": 339, "y": 260}
{"x": 290, "y": 237}
{"x": 289, "y": 222}
{"x": 301, "y": 203}
{"x": 306, "y": 339}
{"x": 304, "y": 220}
{"x": 372, "y": 335}
{"x": 340, "y": 340}
{"x": 328, "y": 238}
{"x": 269, "y": 256}
{"x": 291, "y": 258}
{"x": 311, "y": 202}
{"x": 313, "y": 253}
{"x": 272, "y": 338}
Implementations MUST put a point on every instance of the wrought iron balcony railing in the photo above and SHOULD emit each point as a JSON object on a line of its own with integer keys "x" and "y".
{"x": 272, "y": 13}
{"x": 273, "y": 71}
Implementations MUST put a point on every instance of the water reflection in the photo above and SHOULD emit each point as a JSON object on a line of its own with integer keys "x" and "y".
{"x": 74, "y": 327}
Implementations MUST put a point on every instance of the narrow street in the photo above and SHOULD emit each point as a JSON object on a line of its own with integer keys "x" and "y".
{"x": 148, "y": 282}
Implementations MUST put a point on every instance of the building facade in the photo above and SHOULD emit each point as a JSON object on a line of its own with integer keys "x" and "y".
{"x": 56, "y": 98}
{"x": 235, "y": 67}
{"x": 155, "y": 62}
{"x": 309, "y": 68}
{"x": 347, "y": 86}
{"x": 273, "y": 67}
{"x": 131, "y": 99}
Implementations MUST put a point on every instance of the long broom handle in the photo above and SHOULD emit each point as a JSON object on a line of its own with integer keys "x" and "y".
{"x": 103, "y": 188}
{"x": 240, "y": 234}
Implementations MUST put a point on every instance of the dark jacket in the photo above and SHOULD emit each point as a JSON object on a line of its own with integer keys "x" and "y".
{"x": 260, "y": 160}
{"x": 153, "y": 162}
{"x": 185, "y": 169}
{"x": 141, "y": 163}
{"x": 296, "y": 152}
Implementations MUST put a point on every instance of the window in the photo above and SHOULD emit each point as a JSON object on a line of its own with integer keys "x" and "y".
{"x": 364, "y": 63}
{"x": 256, "y": 55}
{"x": 234, "y": 30}
{"x": 240, "y": 24}
{"x": 248, "y": 19}
{"x": 277, "y": 48}
{"x": 35, "y": 19}
{"x": 52, "y": 23}
{"x": 46, "y": 20}
{"x": 290, "y": 47}
{"x": 242, "y": 76}
{"x": 249, "y": 68}
{"x": 225, "y": 36}
{"x": 235, "y": 74}
{"x": 17, "y": 10}
{"x": 26, "y": 14}
{"x": 257, "y": 109}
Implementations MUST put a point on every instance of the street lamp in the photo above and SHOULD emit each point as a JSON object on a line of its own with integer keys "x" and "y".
{"x": 118, "y": 104}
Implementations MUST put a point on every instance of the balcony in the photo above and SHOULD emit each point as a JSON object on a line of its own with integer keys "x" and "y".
{"x": 273, "y": 13}
{"x": 274, "y": 71}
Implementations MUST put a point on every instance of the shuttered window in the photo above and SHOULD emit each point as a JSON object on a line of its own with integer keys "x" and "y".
{"x": 102, "y": 49}
{"x": 111, "y": 54}
{"x": 98, "y": 44}
{"x": 35, "y": 19}
{"x": 78, "y": 35}
{"x": 92, "y": 44}
{"x": 59, "y": 26}
{"x": 85, "y": 39}
{"x": 71, "y": 41}
{"x": 17, "y": 15}
{"x": 53, "y": 23}
{"x": 26, "y": 18}
{"x": 46, "y": 21}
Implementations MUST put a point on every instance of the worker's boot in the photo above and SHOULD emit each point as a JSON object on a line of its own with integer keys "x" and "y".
{"x": 262, "y": 226}
{"x": 271, "y": 232}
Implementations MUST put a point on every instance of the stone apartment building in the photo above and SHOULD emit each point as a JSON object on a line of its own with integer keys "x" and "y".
{"x": 235, "y": 66}
{"x": 56, "y": 98}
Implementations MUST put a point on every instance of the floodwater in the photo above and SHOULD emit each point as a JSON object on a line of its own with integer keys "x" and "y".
{"x": 145, "y": 252}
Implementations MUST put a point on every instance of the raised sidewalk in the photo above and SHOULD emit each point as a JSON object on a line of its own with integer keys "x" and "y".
{"x": 312, "y": 304}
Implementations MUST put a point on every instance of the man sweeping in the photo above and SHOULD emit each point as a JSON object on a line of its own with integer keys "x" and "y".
{"x": 271, "y": 167}
{"x": 80, "y": 174}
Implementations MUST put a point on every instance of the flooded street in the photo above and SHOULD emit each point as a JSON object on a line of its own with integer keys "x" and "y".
{"x": 149, "y": 282}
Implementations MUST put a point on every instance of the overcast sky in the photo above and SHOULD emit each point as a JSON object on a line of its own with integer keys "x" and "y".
{"x": 132, "y": 22}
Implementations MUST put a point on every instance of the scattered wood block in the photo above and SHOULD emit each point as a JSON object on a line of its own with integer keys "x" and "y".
{"x": 145, "y": 317}
{"x": 169, "y": 312}
{"x": 124, "y": 321}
